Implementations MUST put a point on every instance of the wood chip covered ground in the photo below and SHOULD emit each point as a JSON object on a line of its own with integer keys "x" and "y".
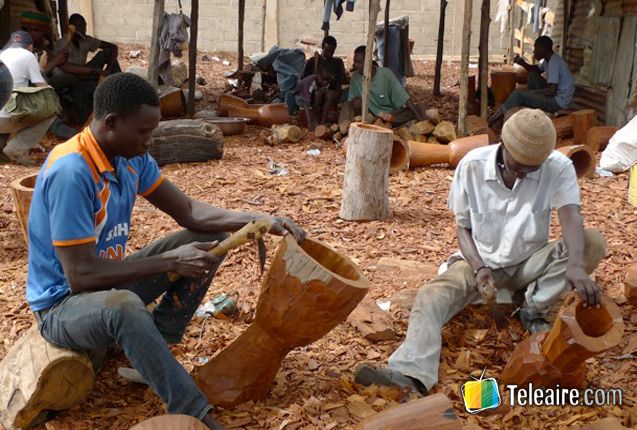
{"x": 314, "y": 388}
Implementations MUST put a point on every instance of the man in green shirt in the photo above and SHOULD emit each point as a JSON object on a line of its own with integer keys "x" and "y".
{"x": 387, "y": 97}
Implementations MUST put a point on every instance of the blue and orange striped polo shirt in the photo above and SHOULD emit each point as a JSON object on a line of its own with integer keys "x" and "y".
{"x": 80, "y": 197}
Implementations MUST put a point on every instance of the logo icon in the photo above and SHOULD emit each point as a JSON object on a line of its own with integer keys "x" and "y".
{"x": 481, "y": 394}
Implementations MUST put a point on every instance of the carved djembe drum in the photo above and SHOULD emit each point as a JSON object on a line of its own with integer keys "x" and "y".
{"x": 308, "y": 290}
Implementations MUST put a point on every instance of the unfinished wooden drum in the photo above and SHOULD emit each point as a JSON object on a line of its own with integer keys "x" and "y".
{"x": 171, "y": 422}
{"x": 275, "y": 113}
{"x": 582, "y": 120}
{"x": 251, "y": 113}
{"x": 308, "y": 290}
{"x": 597, "y": 137}
{"x": 426, "y": 154}
{"x": 172, "y": 102}
{"x": 22, "y": 192}
{"x": 460, "y": 147}
{"x": 582, "y": 158}
{"x": 502, "y": 84}
{"x": 399, "y": 156}
{"x": 226, "y": 100}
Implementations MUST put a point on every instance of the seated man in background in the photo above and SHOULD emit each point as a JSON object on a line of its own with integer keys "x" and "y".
{"x": 26, "y": 132}
{"x": 38, "y": 25}
{"x": 550, "y": 94}
{"x": 333, "y": 95}
{"x": 312, "y": 94}
{"x": 387, "y": 97}
{"x": 76, "y": 75}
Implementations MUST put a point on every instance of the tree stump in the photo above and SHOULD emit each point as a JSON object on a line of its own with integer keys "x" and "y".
{"x": 36, "y": 376}
{"x": 582, "y": 158}
{"x": 171, "y": 422}
{"x": 582, "y": 120}
{"x": 186, "y": 141}
{"x": 22, "y": 192}
{"x": 308, "y": 290}
{"x": 597, "y": 137}
{"x": 431, "y": 412}
{"x": 365, "y": 186}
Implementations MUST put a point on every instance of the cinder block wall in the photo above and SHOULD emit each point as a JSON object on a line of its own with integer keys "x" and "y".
{"x": 131, "y": 21}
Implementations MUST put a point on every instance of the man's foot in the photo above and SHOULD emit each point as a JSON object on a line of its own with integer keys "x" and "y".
{"x": 539, "y": 325}
{"x": 367, "y": 375}
{"x": 212, "y": 423}
{"x": 533, "y": 321}
{"x": 131, "y": 375}
{"x": 18, "y": 158}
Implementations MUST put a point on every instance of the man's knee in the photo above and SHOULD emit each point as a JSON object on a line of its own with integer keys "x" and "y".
{"x": 124, "y": 305}
{"x": 594, "y": 249}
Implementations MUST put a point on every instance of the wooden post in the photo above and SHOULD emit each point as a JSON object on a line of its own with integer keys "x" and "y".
{"x": 385, "y": 34}
{"x": 565, "y": 19}
{"x": 485, "y": 19}
{"x": 464, "y": 68}
{"x": 441, "y": 42}
{"x": 511, "y": 54}
{"x": 192, "y": 56}
{"x": 374, "y": 8}
{"x": 63, "y": 13}
{"x": 242, "y": 14}
{"x": 158, "y": 23}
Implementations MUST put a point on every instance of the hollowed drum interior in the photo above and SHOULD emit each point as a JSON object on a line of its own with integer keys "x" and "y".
{"x": 399, "y": 156}
{"x": 330, "y": 260}
{"x": 582, "y": 162}
{"x": 593, "y": 322}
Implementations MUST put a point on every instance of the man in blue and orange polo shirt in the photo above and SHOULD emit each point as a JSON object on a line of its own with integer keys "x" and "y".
{"x": 86, "y": 294}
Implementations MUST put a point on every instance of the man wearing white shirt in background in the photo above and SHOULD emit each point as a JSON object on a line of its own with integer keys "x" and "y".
{"x": 502, "y": 196}
{"x": 25, "y": 70}
{"x": 551, "y": 94}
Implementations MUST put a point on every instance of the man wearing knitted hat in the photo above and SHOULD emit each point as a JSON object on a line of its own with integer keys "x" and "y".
{"x": 502, "y": 197}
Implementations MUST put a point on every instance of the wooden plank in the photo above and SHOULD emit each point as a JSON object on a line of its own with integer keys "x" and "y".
{"x": 621, "y": 88}
{"x": 604, "y": 50}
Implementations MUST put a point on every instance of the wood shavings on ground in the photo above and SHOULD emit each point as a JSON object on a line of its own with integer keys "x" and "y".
{"x": 314, "y": 389}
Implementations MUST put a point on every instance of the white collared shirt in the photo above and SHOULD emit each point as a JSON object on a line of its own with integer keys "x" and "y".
{"x": 508, "y": 226}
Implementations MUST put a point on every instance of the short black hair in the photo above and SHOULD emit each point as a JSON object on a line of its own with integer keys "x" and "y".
{"x": 123, "y": 94}
{"x": 76, "y": 18}
{"x": 329, "y": 40}
{"x": 360, "y": 50}
{"x": 544, "y": 42}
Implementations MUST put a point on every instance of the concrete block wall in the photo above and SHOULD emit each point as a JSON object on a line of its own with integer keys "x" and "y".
{"x": 131, "y": 21}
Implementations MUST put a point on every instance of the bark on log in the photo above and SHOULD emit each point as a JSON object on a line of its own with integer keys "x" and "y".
{"x": 36, "y": 376}
{"x": 630, "y": 285}
{"x": 171, "y": 422}
{"x": 21, "y": 192}
{"x": 308, "y": 290}
{"x": 445, "y": 132}
{"x": 582, "y": 157}
{"x": 365, "y": 186}
{"x": 285, "y": 133}
{"x": 373, "y": 323}
{"x": 431, "y": 412}
{"x": 186, "y": 141}
{"x": 597, "y": 137}
{"x": 583, "y": 120}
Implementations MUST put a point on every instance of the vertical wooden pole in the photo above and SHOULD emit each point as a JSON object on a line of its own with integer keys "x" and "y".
{"x": 192, "y": 56}
{"x": 5, "y": 23}
{"x": 242, "y": 15}
{"x": 485, "y": 19}
{"x": 374, "y": 8}
{"x": 464, "y": 68}
{"x": 385, "y": 35}
{"x": 158, "y": 23}
{"x": 63, "y": 11}
{"x": 441, "y": 44}
{"x": 86, "y": 9}
{"x": 565, "y": 16}
{"x": 511, "y": 52}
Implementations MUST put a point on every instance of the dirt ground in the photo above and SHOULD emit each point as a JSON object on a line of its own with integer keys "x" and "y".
{"x": 313, "y": 389}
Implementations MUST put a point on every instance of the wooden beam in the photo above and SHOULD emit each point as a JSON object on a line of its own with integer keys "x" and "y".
{"x": 485, "y": 20}
{"x": 441, "y": 43}
{"x": 158, "y": 23}
{"x": 242, "y": 14}
{"x": 464, "y": 68}
{"x": 63, "y": 13}
{"x": 192, "y": 56}
{"x": 385, "y": 35}
{"x": 374, "y": 8}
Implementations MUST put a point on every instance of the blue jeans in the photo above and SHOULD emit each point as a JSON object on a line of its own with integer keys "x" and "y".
{"x": 101, "y": 319}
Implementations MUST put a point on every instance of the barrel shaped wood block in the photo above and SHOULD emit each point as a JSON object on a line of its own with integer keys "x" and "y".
{"x": 399, "y": 161}
{"x": 582, "y": 157}
{"x": 22, "y": 192}
{"x": 308, "y": 290}
{"x": 597, "y": 137}
{"x": 226, "y": 100}
{"x": 630, "y": 285}
{"x": 529, "y": 365}
{"x": 580, "y": 333}
{"x": 170, "y": 422}
{"x": 431, "y": 412}
{"x": 460, "y": 147}
{"x": 36, "y": 376}
{"x": 583, "y": 120}
{"x": 366, "y": 182}
{"x": 275, "y": 113}
{"x": 502, "y": 84}
{"x": 427, "y": 154}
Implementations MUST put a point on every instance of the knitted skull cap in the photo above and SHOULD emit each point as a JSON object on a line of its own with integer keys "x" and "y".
{"x": 529, "y": 136}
